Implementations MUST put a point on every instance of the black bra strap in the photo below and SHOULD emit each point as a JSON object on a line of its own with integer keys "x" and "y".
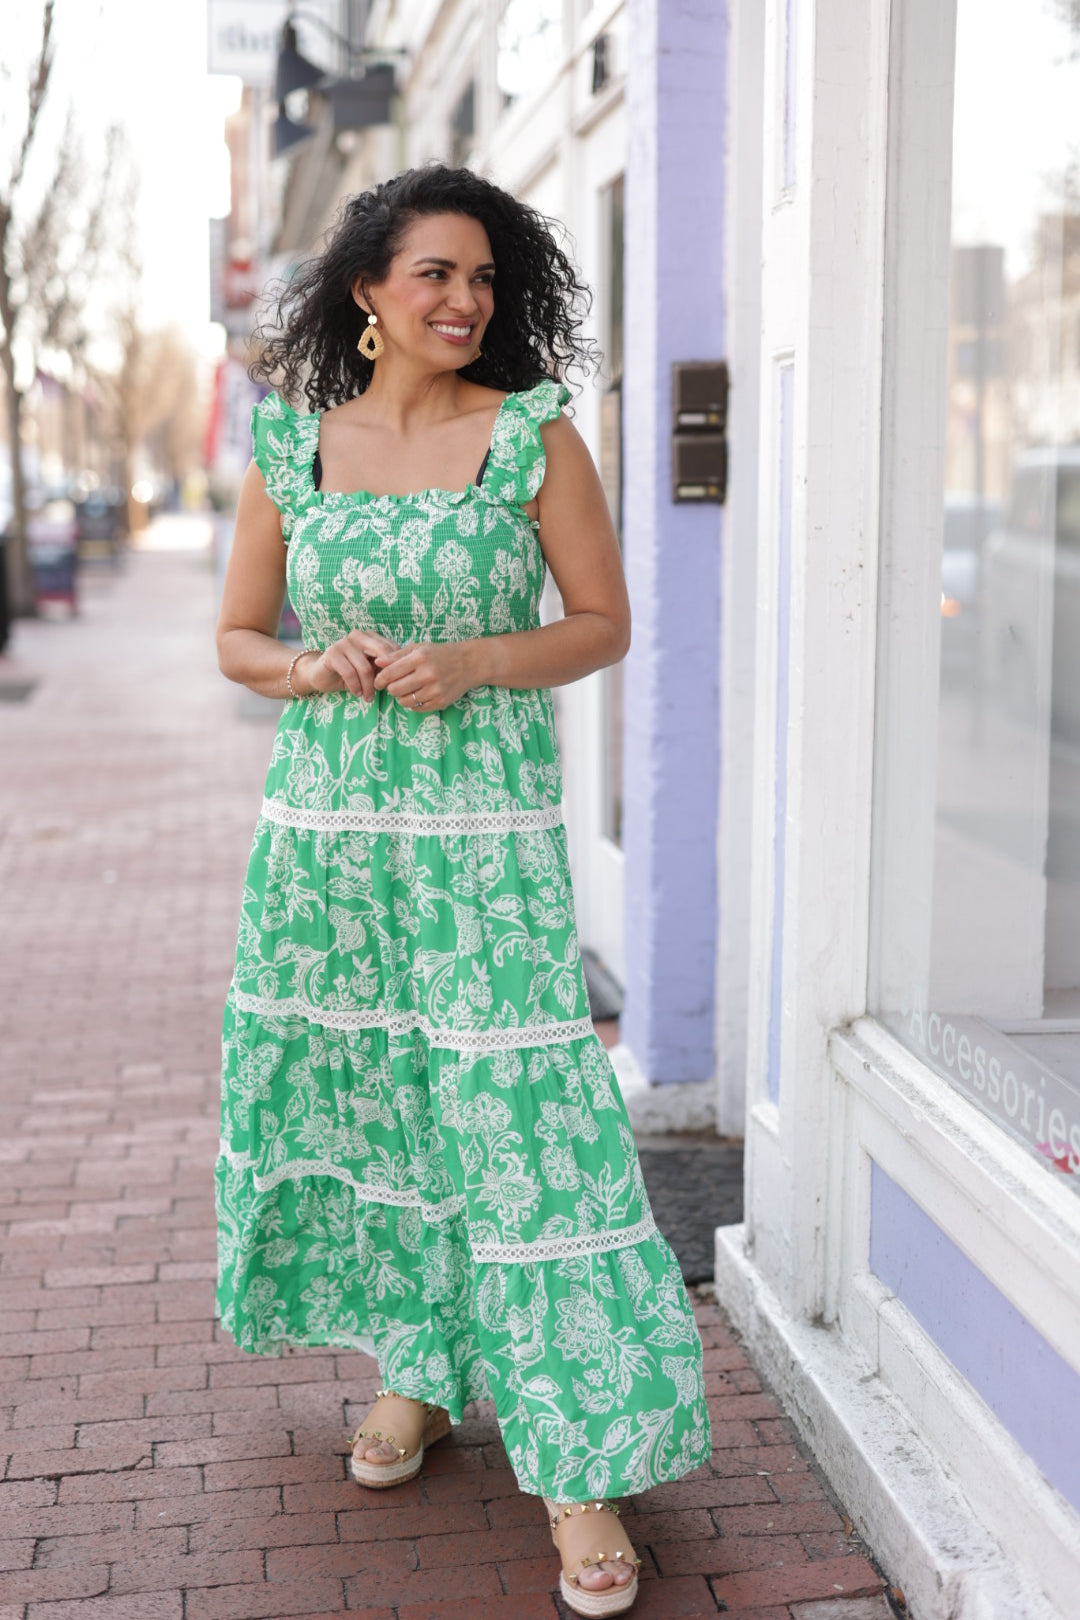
{"x": 316, "y": 470}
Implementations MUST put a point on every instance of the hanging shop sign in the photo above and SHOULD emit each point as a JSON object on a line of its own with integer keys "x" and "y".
{"x": 244, "y": 36}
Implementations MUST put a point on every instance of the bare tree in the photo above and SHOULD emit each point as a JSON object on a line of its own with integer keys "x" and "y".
{"x": 150, "y": 393}
{"x": 1069, "y": 11}
{"x": 51, "y": 241}
{"x": 19, "y": 584}
{"x": 122, "y": 387}
{"x": 171, "y": 417}
{"x": 130, "y": 378}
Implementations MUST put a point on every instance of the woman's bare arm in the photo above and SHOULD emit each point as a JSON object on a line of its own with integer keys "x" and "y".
{"x": 579, "y": 543}
{"x": 248, "y": 648}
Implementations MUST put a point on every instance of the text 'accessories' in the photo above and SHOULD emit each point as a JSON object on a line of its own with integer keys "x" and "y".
{"x": 371, "y": 343}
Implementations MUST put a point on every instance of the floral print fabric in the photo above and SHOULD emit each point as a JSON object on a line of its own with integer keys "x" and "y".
{"x": 423, "y": 1151}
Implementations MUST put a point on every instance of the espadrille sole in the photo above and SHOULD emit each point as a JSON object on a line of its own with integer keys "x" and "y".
{"x": 380, "y": 1476}
{"x": 578, "y": 1598}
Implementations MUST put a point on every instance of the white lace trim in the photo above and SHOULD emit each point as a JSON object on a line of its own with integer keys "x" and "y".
{"x": 403, "y": 1023}
{"x": 564, "y": 1248}
{"x": 421, "y": 823}
{"x": 298, "y": 1169}
{"x": 484, "y": 1254}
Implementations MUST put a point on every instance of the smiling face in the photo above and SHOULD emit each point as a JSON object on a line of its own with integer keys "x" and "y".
{"x": 437, "y": 299}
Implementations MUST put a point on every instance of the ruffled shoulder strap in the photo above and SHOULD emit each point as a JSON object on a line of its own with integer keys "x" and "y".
{"x": 284, "y": 444}
{"x": 517, "y": 461}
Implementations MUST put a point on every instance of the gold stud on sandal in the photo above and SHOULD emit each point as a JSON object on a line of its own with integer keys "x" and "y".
{"x": 580, "y": 1599}
{"x": 378, "y": 1476}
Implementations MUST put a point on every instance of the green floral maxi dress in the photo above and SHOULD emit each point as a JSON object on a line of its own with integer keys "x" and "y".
{"x": 423, "y": 1154}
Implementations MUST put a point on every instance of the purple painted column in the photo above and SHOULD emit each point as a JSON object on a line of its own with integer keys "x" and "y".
{"x": 674, "y": 311}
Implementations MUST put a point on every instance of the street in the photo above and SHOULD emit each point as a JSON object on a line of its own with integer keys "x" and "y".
{"x": 152, "y": 1471}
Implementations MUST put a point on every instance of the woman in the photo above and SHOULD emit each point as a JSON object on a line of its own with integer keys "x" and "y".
{"x": 423, "y": 1153}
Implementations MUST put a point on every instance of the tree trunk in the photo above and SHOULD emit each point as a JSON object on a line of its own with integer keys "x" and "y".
{"x": 129, "y": 421}
{"x": 16, "y": 552}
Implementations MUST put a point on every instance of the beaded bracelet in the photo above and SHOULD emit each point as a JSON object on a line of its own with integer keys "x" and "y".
{"x": 288, "y": 673}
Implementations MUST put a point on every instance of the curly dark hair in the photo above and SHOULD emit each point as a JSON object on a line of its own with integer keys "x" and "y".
{"x": 307, "y": 342}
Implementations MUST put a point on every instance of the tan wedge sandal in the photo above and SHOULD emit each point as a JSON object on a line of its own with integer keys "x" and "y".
{"x": 597, "y": 1605}
{"x": 378, "y": 1476}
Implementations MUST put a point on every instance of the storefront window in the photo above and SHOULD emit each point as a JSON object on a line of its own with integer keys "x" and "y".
{"x": 529, "y": 43}
{"x": 975, "y": 953}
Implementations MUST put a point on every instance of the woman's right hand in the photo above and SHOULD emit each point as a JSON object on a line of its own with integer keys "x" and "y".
{"x": 346, "y": 665}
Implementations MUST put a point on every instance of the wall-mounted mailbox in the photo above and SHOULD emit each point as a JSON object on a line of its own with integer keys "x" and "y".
{"x": 699, "y": 466}
{"x": 699, "y": 398}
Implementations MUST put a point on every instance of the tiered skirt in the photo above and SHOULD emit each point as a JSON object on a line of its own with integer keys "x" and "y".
{"x": 424, "y": 1154}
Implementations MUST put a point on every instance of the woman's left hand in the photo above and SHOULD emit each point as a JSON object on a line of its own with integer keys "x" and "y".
{"x": 428, "y": 675}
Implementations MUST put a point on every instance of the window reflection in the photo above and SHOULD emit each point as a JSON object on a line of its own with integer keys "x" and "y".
{"x": 529, "y": 44}
{"x": 989, "y": 952}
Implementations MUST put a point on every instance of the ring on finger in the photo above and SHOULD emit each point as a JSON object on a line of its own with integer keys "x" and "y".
{"x": 418, "y": 702}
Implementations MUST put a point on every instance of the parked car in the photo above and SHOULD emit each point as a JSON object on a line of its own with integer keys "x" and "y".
{"x": 52, "y": 543}
{"x": 968, "y": 522}
{"x": 7, "y": 504}
{"x": 101, "y": 518}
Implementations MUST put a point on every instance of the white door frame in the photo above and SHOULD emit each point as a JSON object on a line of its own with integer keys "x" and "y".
{"x": 822, "y": 256}
{"x": 738, "y": 589}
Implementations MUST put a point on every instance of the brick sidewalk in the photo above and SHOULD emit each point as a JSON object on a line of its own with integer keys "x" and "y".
{"x": 151, "y": 1471}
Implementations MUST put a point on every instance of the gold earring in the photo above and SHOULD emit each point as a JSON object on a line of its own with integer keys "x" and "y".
{"x": 371, "y": 343}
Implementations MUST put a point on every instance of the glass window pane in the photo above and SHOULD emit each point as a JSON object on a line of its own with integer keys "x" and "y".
{"x": 976, "y": 957}
{"x": 529, "y": 43}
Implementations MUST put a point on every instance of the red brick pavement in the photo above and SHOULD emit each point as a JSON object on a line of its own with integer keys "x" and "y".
{"x": 151, "y": 1471}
